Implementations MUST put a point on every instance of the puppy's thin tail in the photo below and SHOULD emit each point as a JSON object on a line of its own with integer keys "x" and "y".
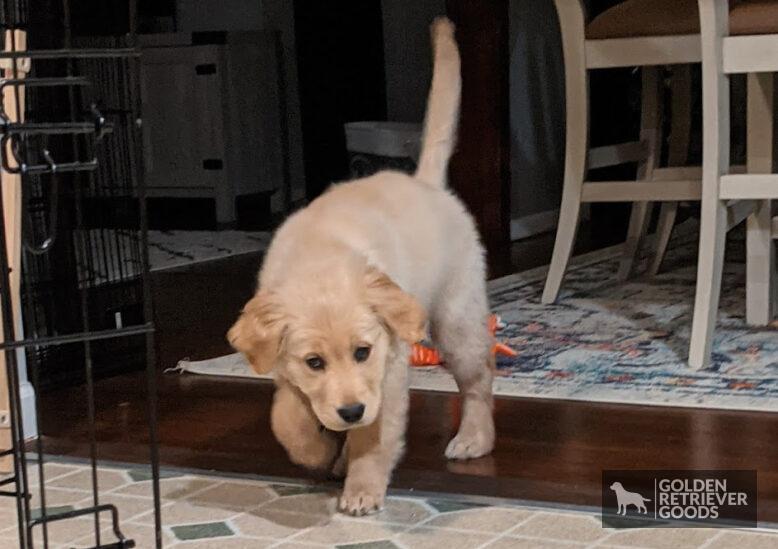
{"x": 440, "y": 125}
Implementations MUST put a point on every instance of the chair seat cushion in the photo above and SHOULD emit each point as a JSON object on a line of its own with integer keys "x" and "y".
{"x": 635, "y": 18}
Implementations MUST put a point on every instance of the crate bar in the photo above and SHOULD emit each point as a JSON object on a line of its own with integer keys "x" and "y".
{"x": 69, "y": 53}
{"x": 47, "y": 82}
{"x": 9, "y": 327}
{"x": 54, "y": 128}
{"x": 75, "y": 513}
{"x": 67, "y": 167}
{"x": 148, "y": 312}
{"x": 14, "y": 398}
{"x": 19, "y": 117}
{"x": 79, "y": 337}
{"x": 82, "y": 293}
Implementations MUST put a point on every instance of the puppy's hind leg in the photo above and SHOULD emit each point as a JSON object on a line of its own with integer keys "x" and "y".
{"x": 460, "y": 330}
{"x": 298, "y": 430}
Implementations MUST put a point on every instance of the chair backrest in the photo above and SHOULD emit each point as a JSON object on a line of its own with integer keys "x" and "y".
{"x": 747, "y": 35}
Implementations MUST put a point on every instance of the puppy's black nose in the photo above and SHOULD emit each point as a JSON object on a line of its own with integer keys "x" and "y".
{"x": 352, "y": 413}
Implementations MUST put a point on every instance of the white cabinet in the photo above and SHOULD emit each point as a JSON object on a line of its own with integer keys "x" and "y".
{"x": 211, "y": 116}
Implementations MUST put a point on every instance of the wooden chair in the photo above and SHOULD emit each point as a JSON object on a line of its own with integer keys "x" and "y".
{"x": 648, "y": 34}
{"x": 743, "y": 39}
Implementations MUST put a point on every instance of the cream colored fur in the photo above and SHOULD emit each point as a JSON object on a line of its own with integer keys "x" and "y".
{"x": 367, "y": 266}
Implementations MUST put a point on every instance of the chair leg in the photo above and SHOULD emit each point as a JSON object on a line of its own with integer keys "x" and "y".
{"x": 710, "y": 264}
{"x": 636, "y": 232}
{"x": 569, "y": 214}
{"x": 650, "y": 134}
{"x": 760, "y": 266}
{"x": 715, "y": 162}
{"x": 664, "y": 231}
{"x": 571, "y": 20}
{"x": 774, "y": 274}
{"x": 760, "y": 254}
{"x": 677, "y": 155}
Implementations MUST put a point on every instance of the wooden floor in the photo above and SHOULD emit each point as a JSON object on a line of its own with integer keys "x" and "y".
{"x": 546, "y": 450}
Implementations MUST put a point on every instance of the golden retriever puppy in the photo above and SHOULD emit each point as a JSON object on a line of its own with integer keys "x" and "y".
{"x": 349, "y": 283}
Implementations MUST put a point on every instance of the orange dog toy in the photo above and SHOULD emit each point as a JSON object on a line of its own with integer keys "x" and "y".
{"x": 422, "y": 355}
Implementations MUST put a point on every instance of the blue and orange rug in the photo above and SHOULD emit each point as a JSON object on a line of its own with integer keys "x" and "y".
{"x": 606, "y": 341}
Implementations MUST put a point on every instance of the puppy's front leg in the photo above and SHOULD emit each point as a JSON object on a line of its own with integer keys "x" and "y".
{"x": 374, "y": 450}
{"x": 368, "y": 471}
{"x": 299, "y": 431}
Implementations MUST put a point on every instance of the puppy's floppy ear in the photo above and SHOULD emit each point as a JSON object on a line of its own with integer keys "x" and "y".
{"x": 398, "y": 309}
{"x": 257, "y": 332}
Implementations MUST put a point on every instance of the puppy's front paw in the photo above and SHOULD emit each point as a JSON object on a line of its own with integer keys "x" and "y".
{"x": 361, "y": 499}
{"x": 470, "y": 444}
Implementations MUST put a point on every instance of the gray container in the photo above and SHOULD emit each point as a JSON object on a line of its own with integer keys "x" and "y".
{"x": 376, "y": 146}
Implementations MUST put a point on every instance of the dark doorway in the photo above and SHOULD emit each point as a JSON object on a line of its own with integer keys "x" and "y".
{"x": 340, "y": 63}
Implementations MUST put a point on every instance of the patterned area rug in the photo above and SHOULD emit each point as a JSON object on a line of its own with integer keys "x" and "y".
{"x": 208, "y": 511}
{"x": 628, "y": 342}
{"x": 114, "y": 253}
{"x": 615, "y": 342}
{"x": 171, "y": 249}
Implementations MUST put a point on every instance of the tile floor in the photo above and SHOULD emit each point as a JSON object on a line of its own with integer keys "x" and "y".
{"x": 200, "y": 511}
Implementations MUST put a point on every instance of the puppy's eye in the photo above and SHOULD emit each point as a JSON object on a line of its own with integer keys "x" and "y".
{"x": 361, "y": 353}
{"x": 315, "y": 362}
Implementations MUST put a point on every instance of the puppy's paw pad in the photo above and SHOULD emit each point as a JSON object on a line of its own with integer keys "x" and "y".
{"x": 465, "y": 446}
{"x": 358, "y": 503}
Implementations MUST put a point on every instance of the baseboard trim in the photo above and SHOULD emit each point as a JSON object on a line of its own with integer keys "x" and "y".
{"x": 27, "y": 395}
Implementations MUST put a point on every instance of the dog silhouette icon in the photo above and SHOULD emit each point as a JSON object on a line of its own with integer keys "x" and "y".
{"x": 625, "y": 499}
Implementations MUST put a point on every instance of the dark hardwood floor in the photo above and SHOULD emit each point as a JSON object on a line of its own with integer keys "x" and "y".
{"x": 550, "y": 451}
{"x": 547, "y": 450}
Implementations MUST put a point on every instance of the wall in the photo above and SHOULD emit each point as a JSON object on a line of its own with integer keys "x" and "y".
{"x": 279, "y": 15}
{"x": 408, "y": 56}
{"x": 206, "y": 15}
{"x": 536, "y": 91}
{"x": 537, "y": 111}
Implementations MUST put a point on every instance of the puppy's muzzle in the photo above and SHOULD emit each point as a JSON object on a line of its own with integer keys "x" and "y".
{"x": 352, "y": 412}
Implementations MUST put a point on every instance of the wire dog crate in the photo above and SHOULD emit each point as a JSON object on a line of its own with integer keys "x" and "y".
{"x": 74, "y": 223}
